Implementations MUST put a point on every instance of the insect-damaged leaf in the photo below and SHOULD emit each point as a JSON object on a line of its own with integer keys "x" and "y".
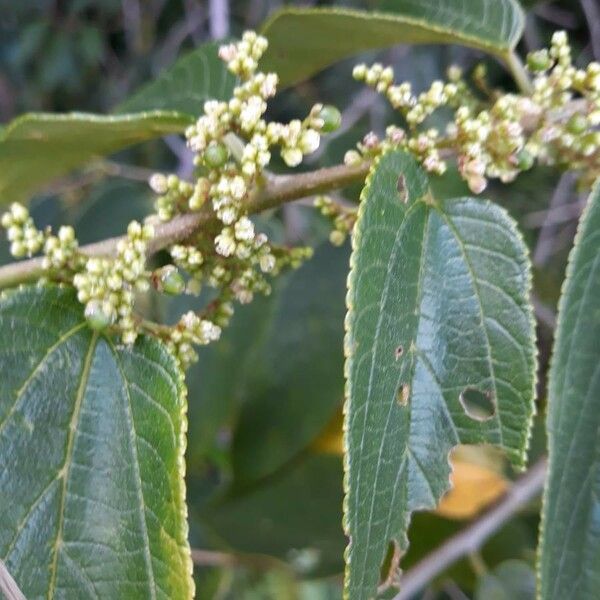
{"x": 440, "y": 351}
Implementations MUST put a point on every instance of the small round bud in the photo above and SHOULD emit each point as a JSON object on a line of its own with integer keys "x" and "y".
{"x": 96, "y": 316}
{"x": 331, "y": 118}
{"x": 577, "y": 124}
{"x": 158, "y": 183}
{"x": 19, "y": 212}
{"x": 454, "y": 73}
{"x": 216, "y": 155}
{"x": 538, "y": 61}
{"x": 359, "y": 72}
{"x": 7, "y": 220}
{"x": 169, "y": 280}
{"x": 337, "y": 237}
{"x": 525, "y": 160}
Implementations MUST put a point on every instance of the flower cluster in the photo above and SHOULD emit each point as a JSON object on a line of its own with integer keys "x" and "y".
{"x": 61, "y": 251}
{"x": 232, "y": 143}
{"x": 24, "y": 237}
{"x": 107, "y": 286}
{"x": 554, "y": 124}
{"x": 232, "y": 178}
{"x": 174, "y": 197}
{"x": 191, "y": 329}
{"x": 343, "y": 218}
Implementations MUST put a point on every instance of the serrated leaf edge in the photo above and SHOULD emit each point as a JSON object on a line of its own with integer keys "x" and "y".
{"x": 183, "y": 400}
{"x": 349, "y": 351}
{"x": 594, "y": 196}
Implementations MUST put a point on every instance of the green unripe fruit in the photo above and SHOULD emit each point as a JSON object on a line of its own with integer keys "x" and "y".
{"x": 577, "y": 124}
{"x": 331, "y": 118}
{"x": 538, "y": 61}
{"x": 170, "y": 280}
{"x": 95, "y": 315}
{"x": 525, "y": 160}
{"x": 216, "y": 155}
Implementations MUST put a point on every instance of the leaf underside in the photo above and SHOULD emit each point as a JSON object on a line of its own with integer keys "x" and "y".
{"x": 36, "y": 148}
{"x": 437, "y": 311}
{"x": 92, "y": 498}
{"x": 303, "y": 41}
{"x": 569, "y": 558}
{"x": 39, "y": 147}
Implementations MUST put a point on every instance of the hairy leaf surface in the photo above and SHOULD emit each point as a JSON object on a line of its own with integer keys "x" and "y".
{"x": 440, "y": 351}
{"x": 38, "y": 147}
{"x": 569, "y": 559}
{"x": 302, "y": 41}
{"x": 194, "y": 78}
{"x": 92, "y": 498}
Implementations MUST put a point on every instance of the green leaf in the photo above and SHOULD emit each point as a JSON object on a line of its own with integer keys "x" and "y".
{"x": 303, "y": 41}
{"x": 511, "y": 580}
{"x": 214, "y": 395}
{"x": 286, "y": 353}
{"x": 569, "y": 558}
{"x": 295, "y": 381}
{"x": 38, "y": 147}
{"x": 440, "y": 351}
{"x": 108, "y": 208}
{"x": 92, "y": 437}
{"x": 194, "y": 78}
{"x": 295, "y": 516}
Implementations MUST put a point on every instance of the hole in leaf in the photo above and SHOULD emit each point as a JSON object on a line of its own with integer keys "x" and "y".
{"x": 478, "y": 404}
{"x": 401, "y": 187}
{"x": 398, "y": 352}
{"x": 403, "y": 394}
{"x": 389, "y": 572}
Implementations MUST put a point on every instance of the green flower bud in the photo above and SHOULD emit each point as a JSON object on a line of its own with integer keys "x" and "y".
{"x": 169, "y": 280}
{"x": 95, "y": 315}
{"x": 216, "y": 155}
{"x": 525, "y": 160}
{"x": 577, "y": 124}
{"x": 331, "y": 118}
{"x": 538, "y": 61}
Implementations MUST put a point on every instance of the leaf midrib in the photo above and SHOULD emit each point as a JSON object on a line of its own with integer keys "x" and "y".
{"x": 61, "y": 340}
{"x": 138, "y": 477}
{"x": 85, "y": 373}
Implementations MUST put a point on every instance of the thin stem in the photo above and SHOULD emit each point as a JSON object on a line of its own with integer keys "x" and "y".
{"x": 519, "y": 73}
{"x": 471, "y": 539}
{"x": 214, "y": 558}
{"x": 276, "y": 191}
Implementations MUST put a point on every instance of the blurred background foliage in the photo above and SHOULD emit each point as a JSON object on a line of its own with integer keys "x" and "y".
{"x": 264, "y": 466}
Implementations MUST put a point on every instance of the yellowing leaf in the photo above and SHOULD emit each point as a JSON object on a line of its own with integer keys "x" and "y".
{"x": 331, "y": 439}
{"x": 474, "y": 487}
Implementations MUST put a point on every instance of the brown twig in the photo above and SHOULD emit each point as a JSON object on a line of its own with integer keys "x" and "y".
{"x": 276, "y": 191}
